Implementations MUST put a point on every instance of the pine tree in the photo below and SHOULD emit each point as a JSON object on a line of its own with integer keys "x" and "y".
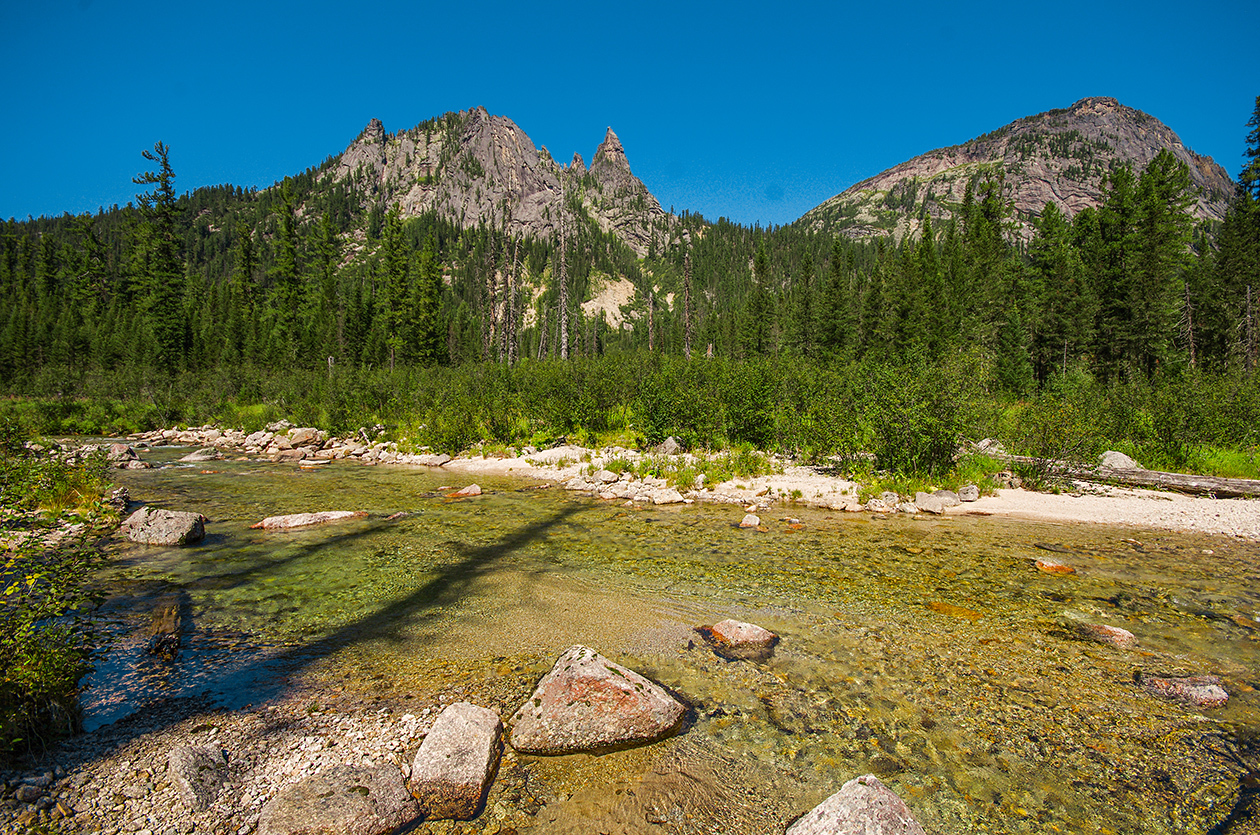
{"x": 162, "y": 276}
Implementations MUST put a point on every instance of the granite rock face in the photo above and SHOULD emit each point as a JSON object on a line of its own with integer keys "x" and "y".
{"x": 588, "y": 703}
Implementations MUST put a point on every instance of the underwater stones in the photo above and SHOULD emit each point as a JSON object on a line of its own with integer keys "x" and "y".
{"x": 863, "y": 806}
{"x": 346, "y": 800}
{"x": 302, "y": 520}
{"x": 196, "y": 772}
{"x": 1200, "y": 691}
{"x": 588, "y": 703}
{"x": 1103, "y": 634}
{"x": 1054, "y": 567}
{"x": 470, "y": 490}
{"x": 750, "y": 520}
{"x": 739, "y": 641}
{"x": 154, "y": 526}
{"x": 452, "y": 770}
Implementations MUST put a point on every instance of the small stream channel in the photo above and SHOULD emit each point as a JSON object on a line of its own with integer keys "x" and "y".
{"x": 930, "y": 652}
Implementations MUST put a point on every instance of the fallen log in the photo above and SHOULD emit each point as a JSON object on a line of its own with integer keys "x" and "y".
{"x": 1195, "y": 485}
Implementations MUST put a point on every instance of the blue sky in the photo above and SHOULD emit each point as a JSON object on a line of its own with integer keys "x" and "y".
{"x": 752, "y": 111}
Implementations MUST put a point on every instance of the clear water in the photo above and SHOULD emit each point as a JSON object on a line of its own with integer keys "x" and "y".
{"x": 930, "y": 652}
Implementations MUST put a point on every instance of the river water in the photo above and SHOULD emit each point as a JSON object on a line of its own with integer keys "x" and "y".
{"x": 931, "y": 652}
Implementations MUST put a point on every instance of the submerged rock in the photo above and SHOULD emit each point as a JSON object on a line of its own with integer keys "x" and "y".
{"x": 456, "y": 762}
{"x": 740, "y": 641}
{"x": 1200, "y": 691}
{"x": 346, "y": 800}
{"x": 863, "y": 806}
{"x": 1054, "y": 567}
{"x": 196, "y": 772}
{"x": 1104, "y": 634}
{"x": 302, "y": 520}
{"x": 204, "y": 454}
{"x": 154, "y": 526}
{"x": 470, "y": 490}
{"x": 588, "y": 703}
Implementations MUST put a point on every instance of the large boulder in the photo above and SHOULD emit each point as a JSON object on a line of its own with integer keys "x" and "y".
{"x": 1113, "y": 460}
{"x": 196, "y": 772}
{"x": 303, "y": 520}
{"x": 588, "y": 703}
{"x": 456, "y": 762}
{"x": 739, "y": 641}
{"x": 343, "y": 800}
{"x": 863, "y": 806}
{"x": 154, "y": 526}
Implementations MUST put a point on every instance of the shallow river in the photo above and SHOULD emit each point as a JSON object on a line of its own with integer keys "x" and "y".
{"x": 931, "y": 652}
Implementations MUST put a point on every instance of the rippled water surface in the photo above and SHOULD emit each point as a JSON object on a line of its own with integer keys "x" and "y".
{"x": 930, "y": 652}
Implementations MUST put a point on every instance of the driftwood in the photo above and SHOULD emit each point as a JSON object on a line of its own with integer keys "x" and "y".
{"x": 1198, "y": 485}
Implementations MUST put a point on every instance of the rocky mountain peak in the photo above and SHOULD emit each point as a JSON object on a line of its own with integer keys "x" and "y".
{"x": 577, "y": 165}
{"x": 1060, "y": 156}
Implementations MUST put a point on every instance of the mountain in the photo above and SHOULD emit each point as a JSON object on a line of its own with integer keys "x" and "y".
{"x": 1059, "y": 156}
{"x": 474, "y": 168}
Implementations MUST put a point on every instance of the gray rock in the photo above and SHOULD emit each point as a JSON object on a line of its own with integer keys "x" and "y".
{"x": 197, "y": 773}
{"x": 669, "y": 446}
{"x": 342, "y": 800}
{"x": 133, "y": 464}
{"x": 291, "y": 455}
{"x": 670, "y": 496}
{"x": 909, "y": 508}
{"x": 204, "y": 454}
{"x": 120, "y": 452}
{"x": 948, "y": 497}
{"x": 305, "y": 436}
{"x": 876, "y": 506}
{"x": 588, "y": 703}
{"x": 28, "y": 793}
{"x": 750, "y": 520}
{"x": 929, "y": 503}
{"x": 969, "y": 493}
{"x": 863, "y": 806}
{"x": 741, "y": 641}
{"x": 435, "y": 460}
{"x": 606, "y": 477}
{"x": 889, "y": 498}
{"x": 1117, "y": 461}
{"x": 302, "y": 520}
{"x": 154, "y": 526}
{"x": 456, "y": 762}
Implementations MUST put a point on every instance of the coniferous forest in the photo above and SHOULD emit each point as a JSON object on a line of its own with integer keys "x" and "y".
{"x": 1127, "y": 326}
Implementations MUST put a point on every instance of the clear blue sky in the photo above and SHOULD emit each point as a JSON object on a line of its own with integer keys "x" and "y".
{"x": 752, "y": 111}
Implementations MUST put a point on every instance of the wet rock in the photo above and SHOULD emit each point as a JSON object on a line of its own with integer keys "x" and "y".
{"x": 204, "y": 454}
{"x": 740, "y": 641}
{"x": 133, "y": 464}
{"x": 1117, "y": 461}
{"x": 1054, "y": 567}
{"x": 750, "y": 520}
{"x": 456, "y": 762}
{"x": 154, "y": 526}
{"x": 968, "y": 493}
{"x": 119, "y": 453}
{"x": 302, "y": 520}
{"x": 588, "y": 703}
{"x": 470, "y": 490}
{"x": 346, "y": 800}
{"x": 1104, "y": 634}
{"x": 197, "y": 773}
{"x": 166, "y": 629}
{"x": 863, "y": 806}
{"x": 1200, "y": 691}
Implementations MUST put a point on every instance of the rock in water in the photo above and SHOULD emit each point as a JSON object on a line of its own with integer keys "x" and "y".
{"x": 196, "y": 772}
{"x": 1054, "y": 567}
{"x": 204, "y": 454}
{"x": 929, "y": 503}
{"x": 456, "y": 762}
{"x": 588, "y": 703}
{"x": 470, "y": 490}
{"x": 863, "y": 806}
{"x": 740, "y": 641}
{"x": 153, "y": 526}
{"x": 346, "y": 800}
{"x": 302, "y": 520}
{"x": 750, "y": 520}
{"x": 1104, "y": 634}
{"x": 1200, "y": 691}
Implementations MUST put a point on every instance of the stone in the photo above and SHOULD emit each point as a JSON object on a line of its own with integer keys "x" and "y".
{"x": 208, "y": 453}
{"x": 27, "y": 793}
{"x": 119, "y": 452}
{"x": 606, "y": 477}
{"x": 1104, "y": 634}
{"x": 739, "y": 641}
{"x": 876, "y": 506}
{"x": 154, "y": 526}
{"x": 909, "y": 508}
{"x": 588, "y": 703}
{"x": 290, "y": 455}
{"x": 1117, "y": 461}
{"x": 133, "y": 464}
{"x": 196, "y": 772}
{"x": 342, "y": 800}
{"x": 302, "y": 520}
{"x": 750, "y": 520}
{"x": 889, "y": 498}
{"x": 669, "y": 446}
{"x": 929, "y": 503}
{"x": 305, "y": 436}
{"x": 1054, "y": 567}
{"x": 948, "y": 497}
{"x": 969, "y": 493}
{"x": 1200, "y": 691}
{"x": 863, "y": 806}
{"x": 435, "y": 460}
{"x": 453, "y": 769}
{"x": 470, "y": 490}
{"x": 670, "y": 496}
